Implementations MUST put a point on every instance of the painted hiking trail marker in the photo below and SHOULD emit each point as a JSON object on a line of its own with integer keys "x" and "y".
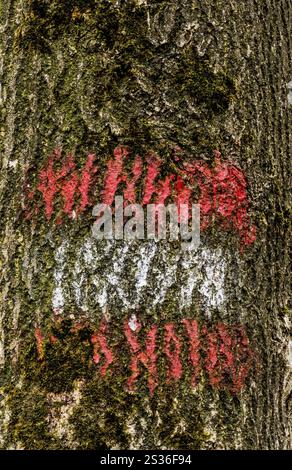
{"x": 222, "y": 188}
{"x": 220, "y": 353}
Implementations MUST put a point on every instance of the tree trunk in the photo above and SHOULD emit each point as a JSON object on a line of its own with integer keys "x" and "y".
{"x": 140, "y": 344}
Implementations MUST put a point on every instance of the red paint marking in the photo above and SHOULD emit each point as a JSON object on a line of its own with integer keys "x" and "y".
{"x": 99, "y": 342}
{"x": 147, "y": 358}
{"x": 113, "y": 175}
{"x": 52, "y": 182}
{"x": 69, "y": 186}
{"x": 40, "y": 344}
{"x": 53, "y": 339}
{"x": 244, "y": 358}
{"x": 194, "y": 347}
{"x": 211, "y": 361}
{"x": 222, "y": 351}
{"x": 172, "y": 348}
{"x": 182, "y": 193}
{"x": 116, "y": 175}
{"x": 48, "y": 183}
{"x": 129, "y": 193}
{"x": 226, "y": 346}
{"x": 229, "y": 357}
{"x": 223, "y": 195}
{"x": 78, "y": 326}
{"x": 67, "y": 182}
{"x": 223, "y": 188}
{"x": 162, "y": 189}
{"x": 87, "y": 178}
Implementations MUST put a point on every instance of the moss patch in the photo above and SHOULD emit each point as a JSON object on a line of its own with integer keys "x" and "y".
{"x": 108, "y": 415}
{"x": 129, "y": 78}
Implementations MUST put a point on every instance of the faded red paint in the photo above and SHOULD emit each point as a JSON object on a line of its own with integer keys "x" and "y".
{"x": 69, "y": 185}
{"x": 182, "y": 194}
{"x": 86, "y": 181}
{"x": 243, "y": 359}
{"x": 222, "y": 188}
{"x": 222, "y": 352}
{"x": 223, "y": 196}
{"x": 78, "y": 326}
{"x": 116, "y": 175}
{"x": 99, "y": 342}
{"x": 148, "y": 357}
{"x": 228, "y": 357}
{"x": 48, "y": 183}
{"x": 192, "y": 329}
{"x": 162, "y": 189}
{"x": 40, "y": 344}
{"x": 53, "y": 339}
{"x": 172, "y": 349}
{"x": 211, "y": 362}
{"x": 67, "y": 182}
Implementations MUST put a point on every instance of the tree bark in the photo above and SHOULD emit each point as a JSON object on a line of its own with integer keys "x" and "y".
{"x": 192, "y": 83}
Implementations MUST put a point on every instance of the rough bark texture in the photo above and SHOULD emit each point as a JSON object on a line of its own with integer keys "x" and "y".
{"x": 88, "y": 76}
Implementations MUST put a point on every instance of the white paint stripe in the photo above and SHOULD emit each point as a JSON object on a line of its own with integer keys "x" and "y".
{"x": 123, "y": 271}
{"x": 58, "y": 300}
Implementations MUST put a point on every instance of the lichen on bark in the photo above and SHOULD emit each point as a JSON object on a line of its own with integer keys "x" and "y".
{"x": 151, "y": 75}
